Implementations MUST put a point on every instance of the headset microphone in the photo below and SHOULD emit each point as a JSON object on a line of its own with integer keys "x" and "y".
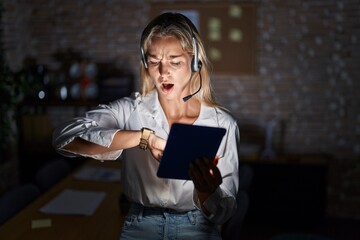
{"x": 187, "y": 97}
{"x": 191, "y": 95}
{"x": 195, "y": 66}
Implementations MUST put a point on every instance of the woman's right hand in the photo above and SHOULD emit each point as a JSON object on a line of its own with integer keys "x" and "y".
{"x": 156, "y": 146}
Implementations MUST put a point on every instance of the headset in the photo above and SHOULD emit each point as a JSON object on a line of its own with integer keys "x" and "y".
{"x": 165, "y": 20}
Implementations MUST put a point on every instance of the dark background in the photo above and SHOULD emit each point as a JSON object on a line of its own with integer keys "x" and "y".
{"x": 305, "y": 85}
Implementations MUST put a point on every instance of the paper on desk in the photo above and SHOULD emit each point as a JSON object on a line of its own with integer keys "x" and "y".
{"x": 74, "y": 202}
{"x": 98, "y": 174}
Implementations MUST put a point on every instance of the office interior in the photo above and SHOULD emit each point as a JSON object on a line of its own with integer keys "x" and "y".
{"x": 287, "y": 70}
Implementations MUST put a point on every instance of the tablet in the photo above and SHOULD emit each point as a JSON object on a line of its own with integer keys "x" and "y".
{"x": 186, "y": 143}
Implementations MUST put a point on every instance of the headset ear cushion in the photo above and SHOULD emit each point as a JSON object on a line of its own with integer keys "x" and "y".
{"x": 199, "y": 65}
{"x": 195, "y": 67}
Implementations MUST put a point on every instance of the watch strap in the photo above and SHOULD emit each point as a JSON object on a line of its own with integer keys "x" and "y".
{"x": 144, "y": 140}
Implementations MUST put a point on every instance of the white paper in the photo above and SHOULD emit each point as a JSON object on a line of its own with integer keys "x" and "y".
{"x": 98, "y": 174}
{"x": 74, "y": 202}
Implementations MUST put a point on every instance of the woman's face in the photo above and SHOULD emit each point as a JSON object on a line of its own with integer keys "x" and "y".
{"x": 169, "y": 67}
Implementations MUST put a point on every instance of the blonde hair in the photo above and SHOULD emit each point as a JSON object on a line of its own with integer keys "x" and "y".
{"x": 179, "y": 26}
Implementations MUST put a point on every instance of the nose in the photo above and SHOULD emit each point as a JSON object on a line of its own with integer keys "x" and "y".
{"x": 163, "y": 69}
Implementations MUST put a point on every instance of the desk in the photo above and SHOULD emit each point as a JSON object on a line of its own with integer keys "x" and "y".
{"x": 287, "y": 192}
{"x": 105, "y": 224}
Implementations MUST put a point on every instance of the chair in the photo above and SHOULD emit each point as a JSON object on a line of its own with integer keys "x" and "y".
{"x": 231, "y": 229}
{"x": 12, "y": 201}
{"x": 51, "y": 173}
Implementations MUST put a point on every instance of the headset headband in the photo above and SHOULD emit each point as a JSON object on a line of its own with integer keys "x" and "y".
{"x": 165, "y": 20}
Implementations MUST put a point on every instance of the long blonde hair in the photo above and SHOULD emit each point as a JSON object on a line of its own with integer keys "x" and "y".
{"x": 179, "y": 26}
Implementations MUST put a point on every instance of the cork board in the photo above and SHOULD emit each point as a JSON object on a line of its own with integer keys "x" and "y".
{"x": 228, "y": 31}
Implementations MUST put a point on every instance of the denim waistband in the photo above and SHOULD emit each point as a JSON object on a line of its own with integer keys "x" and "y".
{"x": 135, "y": 207}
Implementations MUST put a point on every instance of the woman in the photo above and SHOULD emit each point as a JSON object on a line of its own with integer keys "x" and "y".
{"x": 176, "y": 88}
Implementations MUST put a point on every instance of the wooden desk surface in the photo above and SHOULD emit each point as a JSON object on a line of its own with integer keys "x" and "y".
{"x": 105, "y": 224}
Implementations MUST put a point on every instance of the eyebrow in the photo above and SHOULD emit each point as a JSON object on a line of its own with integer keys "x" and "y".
{"x": 171, "y": 56}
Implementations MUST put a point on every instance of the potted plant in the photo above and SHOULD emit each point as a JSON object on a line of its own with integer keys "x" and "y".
{"x": 14, "y": 86}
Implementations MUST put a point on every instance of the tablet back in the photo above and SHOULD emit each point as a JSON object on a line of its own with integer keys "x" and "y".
{"x": 186, "y": 143}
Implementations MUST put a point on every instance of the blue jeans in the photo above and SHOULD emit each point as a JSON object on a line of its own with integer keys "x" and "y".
{"x": 161, "y": 223}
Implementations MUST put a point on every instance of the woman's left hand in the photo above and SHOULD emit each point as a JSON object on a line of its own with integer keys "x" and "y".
{"x": 205, "y": 175}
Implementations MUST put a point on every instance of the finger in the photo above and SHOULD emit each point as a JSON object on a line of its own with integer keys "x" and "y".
{"x": 211, "y": 166}
{"x": 197, "y": 180}
{"x": 201, "y": 174}
{"x": 213, "y": 169}
{"x": 211, "y": 173}
{"x": 196, "y": 173}
{"x": 157, "y": 154}
{"x": 160, "y": 144}
{"x": 202, "y": 166}
{"x": 206, "y": 167}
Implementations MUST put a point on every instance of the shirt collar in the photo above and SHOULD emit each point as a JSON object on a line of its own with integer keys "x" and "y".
{"x": 151, "y": 110}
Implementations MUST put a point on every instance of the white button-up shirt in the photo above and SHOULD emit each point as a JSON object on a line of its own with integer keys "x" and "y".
{"x": 139, "y": 168}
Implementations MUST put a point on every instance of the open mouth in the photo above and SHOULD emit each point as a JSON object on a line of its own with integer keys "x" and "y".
{"x": 167, "y": 86}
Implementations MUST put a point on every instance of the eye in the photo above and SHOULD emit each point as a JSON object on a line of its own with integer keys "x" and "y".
{"x": 153, "y": 63}
{"x": 175, "y": 63}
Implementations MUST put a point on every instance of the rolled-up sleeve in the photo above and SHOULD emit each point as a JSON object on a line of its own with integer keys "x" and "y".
{"x": 99, "y": 126}
{"x": 222, "y": 203}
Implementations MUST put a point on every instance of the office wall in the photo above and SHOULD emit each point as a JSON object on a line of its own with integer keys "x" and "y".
{"x": 307, "y": 77}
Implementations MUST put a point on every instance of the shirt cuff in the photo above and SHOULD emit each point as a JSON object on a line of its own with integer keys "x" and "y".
{"x": 210, "y": 204}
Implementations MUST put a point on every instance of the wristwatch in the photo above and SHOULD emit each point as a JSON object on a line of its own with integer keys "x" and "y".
{"x": 144, "y": 140}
